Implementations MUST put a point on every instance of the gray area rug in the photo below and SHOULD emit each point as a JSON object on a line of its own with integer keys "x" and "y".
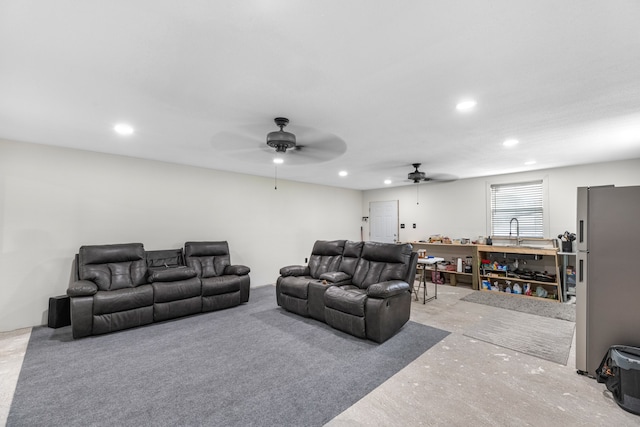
{"x": 538, "y": 336}
{"x": 538, "y": 307}
{"x": 252, "y": 365}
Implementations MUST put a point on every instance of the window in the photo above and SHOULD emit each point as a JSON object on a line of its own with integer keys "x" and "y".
{"x": 523, "y": 201}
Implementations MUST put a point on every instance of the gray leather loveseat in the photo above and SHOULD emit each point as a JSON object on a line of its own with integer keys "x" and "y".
{"x": 123, "y": 286}
{"x": 362, "y": 288}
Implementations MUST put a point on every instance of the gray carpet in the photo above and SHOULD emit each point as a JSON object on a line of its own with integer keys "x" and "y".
{"x": 538, "y": 336}
{"x": 535, "y": 306}
{"x": 252, "y": 365}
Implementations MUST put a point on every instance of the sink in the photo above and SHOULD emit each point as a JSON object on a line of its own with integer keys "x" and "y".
{"x": 526, "y": 243}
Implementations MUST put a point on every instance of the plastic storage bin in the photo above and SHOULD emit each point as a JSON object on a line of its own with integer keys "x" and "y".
{"x": 620, "y": 372}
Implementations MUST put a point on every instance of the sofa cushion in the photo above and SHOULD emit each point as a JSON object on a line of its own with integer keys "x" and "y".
{"x": 105, "y": 302}
{"x": 220, "y": 285}
{"x": 381, "y": 262}
{"x": 173, "y": 291}
{"x": 387, "y": 289}
{"x": 209, "y": 266}
{"x": 103, "y": 254}
{"x": 82, "y": 288}
{"x": 295, "y": 270}
{"x": 350, "y": 257}
{"x": 209, "y": 259}
{"x": 222, "y": 301}
{"x": 179, "y": 308}
{"x": 353, "y": 325}
{"x": 325, "y": 256}
{"x": 238, "y": 270}
{"x": 328, "y": 247}
{"x": 110, "y": 322}
{"x": 346, "y": 300}
{"x": 113, "y": 267}
{"x": 171, "y": 274}
{"x": 295, "y": 286}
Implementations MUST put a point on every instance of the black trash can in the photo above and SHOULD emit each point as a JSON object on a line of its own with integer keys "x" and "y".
{"x": 620, "y": 372}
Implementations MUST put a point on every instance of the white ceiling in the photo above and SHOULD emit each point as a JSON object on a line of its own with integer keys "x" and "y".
{"x": 201, "y": 81}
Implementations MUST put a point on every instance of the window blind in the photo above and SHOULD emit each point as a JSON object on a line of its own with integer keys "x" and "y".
{"x": 522, "y": 201}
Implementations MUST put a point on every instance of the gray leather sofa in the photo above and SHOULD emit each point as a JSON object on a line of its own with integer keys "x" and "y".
{"x": 122, "y": 286}
{"x": 362, "y": 288}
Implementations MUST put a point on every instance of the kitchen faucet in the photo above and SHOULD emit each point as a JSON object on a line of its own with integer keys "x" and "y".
{"x": 517, "y": 230}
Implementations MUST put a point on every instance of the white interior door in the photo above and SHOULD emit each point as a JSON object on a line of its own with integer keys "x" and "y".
{"x": 383, "y": 221}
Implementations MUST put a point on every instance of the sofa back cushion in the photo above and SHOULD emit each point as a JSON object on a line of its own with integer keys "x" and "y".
{"x": 325, "y": 256}
{"x": 209, "y": 259}
{"x": 113, "y": 267}
{"x": 350, "y": 257}
{"x": 380, "y": 262}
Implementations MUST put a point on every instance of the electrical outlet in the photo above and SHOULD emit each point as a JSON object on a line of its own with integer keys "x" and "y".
{"x": 414, "y": 225}
{"x": 401, "y": 225}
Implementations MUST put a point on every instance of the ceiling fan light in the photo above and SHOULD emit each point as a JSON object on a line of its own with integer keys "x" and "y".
{"x": 416, "y": 176}
{"x": 281, "y": 140}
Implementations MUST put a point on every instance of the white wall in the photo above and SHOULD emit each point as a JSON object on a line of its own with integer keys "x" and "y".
{"x": 459, "y": 208}
{"x": 53, "y": 200}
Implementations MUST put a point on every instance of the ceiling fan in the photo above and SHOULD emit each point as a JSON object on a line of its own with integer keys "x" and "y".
{"x": 281, "y": 140}
{"x": 416, "y": 176}
{"x": 306, "y": 146}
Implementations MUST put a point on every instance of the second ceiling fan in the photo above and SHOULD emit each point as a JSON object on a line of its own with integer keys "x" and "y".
{"x": 417, "y": 176}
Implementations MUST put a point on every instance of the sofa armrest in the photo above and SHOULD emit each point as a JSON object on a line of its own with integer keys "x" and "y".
{"x": 295, "y": 270}
{"x": 387, "y": 289}
{"x": 171, "y": 274}
{"x": 335, "y": 276}
{"x": 82, "y": 288}
{"x": 238, "y": 270}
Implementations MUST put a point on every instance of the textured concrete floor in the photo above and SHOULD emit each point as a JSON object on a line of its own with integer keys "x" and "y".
{"x": 13, "y": 345}
{"x": 458, "y": 382}
{"x": 465, "y": 382}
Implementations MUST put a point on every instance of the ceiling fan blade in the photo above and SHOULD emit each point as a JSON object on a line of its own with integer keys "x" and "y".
{"x": 306, "y": 156}
{"x": 441, "y": 177}
{"x": 249, "y": 143}
{"x": 231, "y": 141}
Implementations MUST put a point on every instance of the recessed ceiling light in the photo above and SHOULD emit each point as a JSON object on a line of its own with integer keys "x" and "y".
{"x": 343, "y": 173}
{"x": 466, "y": 105}
{"x": 387, "y": 181}
{"x": 278, "y": 160}
{"x": 510, "y": 142}
{"x": 530, "y": 162}
{"x": 123, "y": 129}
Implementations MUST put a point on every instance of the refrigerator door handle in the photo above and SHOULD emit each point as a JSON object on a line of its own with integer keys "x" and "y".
{"x": 581, "y": 231}
{"x": 581, "y": 270}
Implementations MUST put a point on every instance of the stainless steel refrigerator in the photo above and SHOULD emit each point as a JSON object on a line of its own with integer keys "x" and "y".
{"x": 608, "y": 272}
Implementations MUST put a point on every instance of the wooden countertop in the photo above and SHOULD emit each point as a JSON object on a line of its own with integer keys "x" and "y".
{"x": 518, "y": 249}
